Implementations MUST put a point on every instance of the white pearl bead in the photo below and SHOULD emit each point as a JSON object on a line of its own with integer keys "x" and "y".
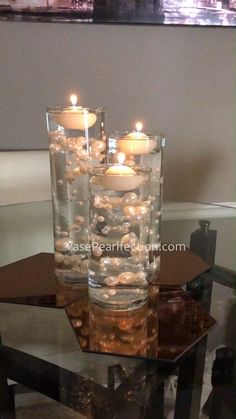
{"x": 112, "y": 292}
{"x": 100, "y": 201}
{"x": 64, "y": 234}
{"x": 63, "y": 244}
{"x": 106, "y": 230}
{"x": 83, "y": 154}
{"x": 126, "y": 278}
{"x": 75, "y": 228}
{"x": 119, "y": 229}
{"x": 126, "y": 225}
{"x": 97, "y": 251}
{"x": 76, "y": 259}
{"x": 138, "y": 212}
{"x": 98, "y": 145}
{"x": 111, "y": 281}
{"x": 129, "y": 197}
{"x": 67, "y": 260}
{"x": 106, "y": 261}
{"x": 74, "y": 192}
{"x": 79, "y": 219}
{"x": 76, "y": 171}
{"x": 129, "y": 211}
{"x": 70, "y": 177}
{"x": 53, "y": 135}
{"x": 129, "y": 239}
{"x": 59, "y": 258}
{"x": 82, "y": 140}
{"x": 54, "y": 148}
{"x": 117, "y": 262}
{"x": 84, "y": 167}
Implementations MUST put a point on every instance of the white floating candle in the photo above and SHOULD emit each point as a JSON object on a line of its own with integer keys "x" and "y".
{"x": 76, "y": 117}
{"x": 136, "y": 142}
{"x": 120, "y": 177}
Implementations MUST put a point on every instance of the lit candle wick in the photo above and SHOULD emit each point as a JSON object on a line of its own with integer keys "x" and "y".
{"x": 121, "y": 158}
{"x": 139, "y": 126}
{"x": 73, "y": 99}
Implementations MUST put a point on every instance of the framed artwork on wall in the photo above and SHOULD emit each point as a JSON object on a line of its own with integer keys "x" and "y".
{"x": 162, "y": 12}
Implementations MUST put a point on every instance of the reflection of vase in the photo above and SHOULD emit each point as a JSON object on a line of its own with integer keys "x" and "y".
{"x": 128, "y": 332}
{"x": 120, "y": 332}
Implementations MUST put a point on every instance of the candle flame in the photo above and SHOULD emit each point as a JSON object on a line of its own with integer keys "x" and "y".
{"x": 121, "y": 158}
{"x": 73, "y": 99}
{"x": 139, "y": 126}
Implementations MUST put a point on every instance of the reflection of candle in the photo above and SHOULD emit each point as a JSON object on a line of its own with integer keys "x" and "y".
{"x": 76, "y": 117}
{"x": 120, "y": 177}
{"x": 136, "y": 142}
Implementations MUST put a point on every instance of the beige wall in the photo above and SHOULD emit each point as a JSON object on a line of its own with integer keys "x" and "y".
{"x": 178, "y": 80}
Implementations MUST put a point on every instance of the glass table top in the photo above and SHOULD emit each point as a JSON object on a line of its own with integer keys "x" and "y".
{"x": 167, "y": 325}
{"x": 21, "y": 223}
{"x": 46, "y": 348}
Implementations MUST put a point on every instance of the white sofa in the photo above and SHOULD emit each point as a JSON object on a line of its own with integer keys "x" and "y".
{"x": 26, "y": 228}
{"x": 24, "y": 176}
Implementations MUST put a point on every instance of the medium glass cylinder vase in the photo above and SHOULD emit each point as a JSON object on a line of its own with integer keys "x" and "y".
{"x": 76, "y": 142}
{"x": 145, "y": 149}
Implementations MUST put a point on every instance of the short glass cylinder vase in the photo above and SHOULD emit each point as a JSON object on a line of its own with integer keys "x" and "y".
{"x": 121, "y": 221}
{"x": 76, "y": 142}
{"x": 145, "y": 149}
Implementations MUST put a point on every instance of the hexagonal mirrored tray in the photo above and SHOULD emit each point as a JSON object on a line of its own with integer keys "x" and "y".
{"x": 164, "y": 328}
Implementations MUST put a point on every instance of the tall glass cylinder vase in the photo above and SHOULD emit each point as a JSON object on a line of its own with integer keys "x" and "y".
{"x": 145, "y": 149}
{"x": 76, "y": 142}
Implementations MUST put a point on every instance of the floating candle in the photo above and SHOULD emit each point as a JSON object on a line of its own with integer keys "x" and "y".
{"x": 120, "y": 169}
{"x": 136, "y": 142}
{"x": 120, "y": 177}
{"x": 76, "y": 117}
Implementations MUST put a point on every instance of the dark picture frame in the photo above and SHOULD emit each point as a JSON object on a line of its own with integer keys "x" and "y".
{"x": 161, "y": 12}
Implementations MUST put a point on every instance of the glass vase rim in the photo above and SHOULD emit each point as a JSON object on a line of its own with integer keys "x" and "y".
{"x": 60, "y": 109}
{"x": 124, "y": 133}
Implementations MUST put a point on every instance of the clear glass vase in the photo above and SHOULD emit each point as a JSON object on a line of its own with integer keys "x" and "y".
{"x": 145, "y": 149}
{"x": 77, "y": 141}
{"x": 121, "y": 262}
